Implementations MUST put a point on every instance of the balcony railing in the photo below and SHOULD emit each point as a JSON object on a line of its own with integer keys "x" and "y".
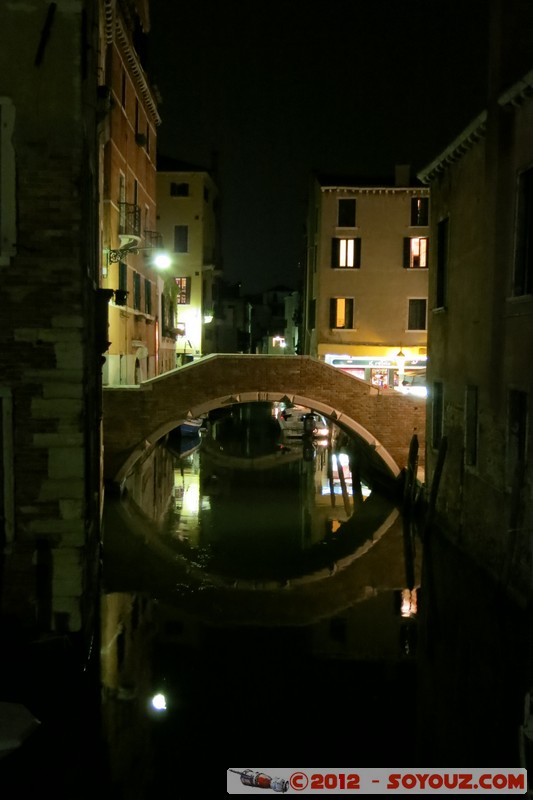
{"x": 129, "y": 221}
{"x": 153, "y": 239}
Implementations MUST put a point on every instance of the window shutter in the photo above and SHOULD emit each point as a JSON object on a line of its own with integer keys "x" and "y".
{"x": 406, "y": 252}
{"x": 357, "y": 262}
{"x": 335, "y": 253}
{"x": 348, "y": 323}
{"x": 122, "y": 275}
{"x": 332, "y": 312}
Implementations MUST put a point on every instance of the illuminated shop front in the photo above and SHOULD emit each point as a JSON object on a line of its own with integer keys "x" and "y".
{"x": 385, "y": 372}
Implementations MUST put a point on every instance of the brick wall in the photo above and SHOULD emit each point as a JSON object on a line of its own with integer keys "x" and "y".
{"x": 133, "y": 416}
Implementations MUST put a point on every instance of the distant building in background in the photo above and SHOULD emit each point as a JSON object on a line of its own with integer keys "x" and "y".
{"x": 269, "y": 321}
{"x": 365, "y": 291}
{"x": 293, "y": 320}
{"x": 481, "y": 317}
{"x": 187, "y": 212}
{"x": 233, "y": 319}
{"x": 138, "y": 347}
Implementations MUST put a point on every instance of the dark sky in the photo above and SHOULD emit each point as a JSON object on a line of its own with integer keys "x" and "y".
{"x": 282, "y": 89}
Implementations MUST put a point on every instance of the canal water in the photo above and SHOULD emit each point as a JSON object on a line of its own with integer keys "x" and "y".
{"x": 265, "y": 596}
{"x": 278, "y": 605}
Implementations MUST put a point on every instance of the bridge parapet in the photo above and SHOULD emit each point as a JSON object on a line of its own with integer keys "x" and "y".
{"x": 136, "y": 417}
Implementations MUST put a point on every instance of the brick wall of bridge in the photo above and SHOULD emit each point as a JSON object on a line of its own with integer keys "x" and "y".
{"x": 135, "y": 417}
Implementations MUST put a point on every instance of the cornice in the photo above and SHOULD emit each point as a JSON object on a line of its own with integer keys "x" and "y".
{"x": 515, "y": 96}
{"x": 414, "y": 190}
{"x": 470, "y": 135}
{"x": 518, "y": 92}
{"x": 136, "y": 70}
{"x": 109, "y": 16}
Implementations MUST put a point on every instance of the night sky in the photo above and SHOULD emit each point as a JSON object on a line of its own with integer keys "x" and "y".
{"x": 281, "y": 89}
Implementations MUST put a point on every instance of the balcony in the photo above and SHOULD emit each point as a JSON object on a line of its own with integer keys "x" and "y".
{"x": 129, "y": 221}
{"x": 153, "y": 240}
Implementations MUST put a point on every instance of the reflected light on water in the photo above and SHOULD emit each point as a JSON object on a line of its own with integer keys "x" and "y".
{"x": 158, "y": 702}
{"x": 409, "y": 603}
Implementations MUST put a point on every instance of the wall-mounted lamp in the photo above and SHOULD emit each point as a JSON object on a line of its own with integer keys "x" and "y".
{"x": 208, "y": 317}
{"x": 160, "y": 259}
{"x": 400, "y": 360}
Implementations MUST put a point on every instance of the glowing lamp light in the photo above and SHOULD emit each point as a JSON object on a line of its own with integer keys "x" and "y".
{"x": 161, "y": 260}
{"x": 208, "y": 317}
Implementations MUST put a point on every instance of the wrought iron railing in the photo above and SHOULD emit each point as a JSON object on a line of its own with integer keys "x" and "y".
{"x": 153, "y": 239}
{"x": 129, "y": 221}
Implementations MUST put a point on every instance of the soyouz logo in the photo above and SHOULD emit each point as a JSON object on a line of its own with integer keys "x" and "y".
{"x": 377, "y": 781}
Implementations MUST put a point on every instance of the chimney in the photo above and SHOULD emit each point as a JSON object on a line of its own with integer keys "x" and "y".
{"x": 402, "y": 175}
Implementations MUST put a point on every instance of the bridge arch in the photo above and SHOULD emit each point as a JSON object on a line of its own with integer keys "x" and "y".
{"x": 136, "y": 417}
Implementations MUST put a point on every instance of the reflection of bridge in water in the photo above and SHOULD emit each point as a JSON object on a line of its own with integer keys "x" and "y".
{"x": 217, "y": 456}
{"x": 136, "y": 417}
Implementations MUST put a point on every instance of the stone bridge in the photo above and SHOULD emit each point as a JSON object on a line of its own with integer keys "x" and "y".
{"x": 136, "y": 417}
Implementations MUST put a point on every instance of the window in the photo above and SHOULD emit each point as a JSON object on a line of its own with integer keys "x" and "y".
{"x": 415, "y": 252}
{"x": 181, "y": 238}
{"x": 419, "y": 211}
{"x": 183, "y": 297}
{"x": 123, "y": 276}
{"x": 346, "y": 214}
{"x": 523, "y": 266}
{"x": 123, "y": 89}
{"x": 341, "y": 312}
{"x": 437, "y": 412}
{"x": 417, "y": 314}
{"x": 136, "y": 291}
{"x": 179, "y": 189}
{"x": 346, "y": 253}
{"x": 7, "y": 181}
{"x": 121, "y": 190}
{"x": 147, "y": 296}
{"x": 471, "y": 425}
{"x": 516, "y": 435}
{"x": 442, "y": 262}
{"x": 167, "y": 315}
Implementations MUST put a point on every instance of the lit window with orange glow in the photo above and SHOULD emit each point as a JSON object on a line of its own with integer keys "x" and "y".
{"x": 341, "y": 312}
{"x": 416, "y": 252}
{"x": 346, "y": 253}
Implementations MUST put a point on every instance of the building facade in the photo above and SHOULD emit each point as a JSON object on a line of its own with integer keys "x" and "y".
{"x": 187, "y": 210}
{"x": 481, "y": 317}
{"x": 54, "y": 319}
{"x": 138, "y": 345}
{"x": 365, "y": 293}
